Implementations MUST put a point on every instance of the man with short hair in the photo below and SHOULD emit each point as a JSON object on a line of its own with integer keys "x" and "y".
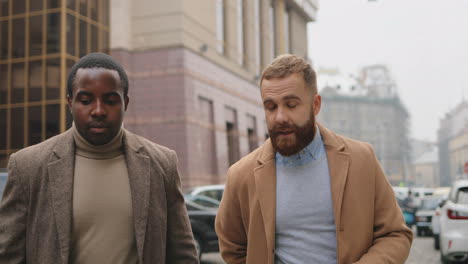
{"x": 307, "y": 195}
{"x": 95, "y": 193}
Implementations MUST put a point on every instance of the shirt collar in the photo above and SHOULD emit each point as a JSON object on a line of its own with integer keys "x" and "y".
{"x": 310, "y": 153}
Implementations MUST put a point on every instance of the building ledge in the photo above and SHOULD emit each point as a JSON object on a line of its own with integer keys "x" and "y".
{"x": 309, "y": 8}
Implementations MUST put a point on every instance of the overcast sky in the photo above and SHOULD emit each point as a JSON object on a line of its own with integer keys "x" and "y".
{"x": 424, "y": 43}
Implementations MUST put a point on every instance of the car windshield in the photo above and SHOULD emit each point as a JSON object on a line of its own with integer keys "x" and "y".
{"x": 462, "y": 196}
{"x": 429, "y": 204}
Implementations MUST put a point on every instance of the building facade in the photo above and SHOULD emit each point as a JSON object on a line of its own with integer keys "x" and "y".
{"x": 39, "y": 41}
{"x": 425, "y": 169}
{"x": 194, "y": 68}
{"x": 367, "y": 108}
{"x": 453, "y": 143}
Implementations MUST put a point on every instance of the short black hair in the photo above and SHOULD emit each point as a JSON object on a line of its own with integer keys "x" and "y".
{"x": 97, "y": 60}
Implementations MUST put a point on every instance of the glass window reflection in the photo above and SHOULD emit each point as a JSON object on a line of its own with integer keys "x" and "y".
{"x": 36, "y": 5}
{"x": 19, "y": 6}
{"x": 53, "y": 33}
{"x": 35, "y": 35}
{"x": 3, "y": 83}
{"x": 35, "y": 80}
{"x": 35, "y": 125}
{"x": 52, "y": 120}
{"x": 17, "y": 83}
{"x": 18, "y": 39}
{"x": 53, "y": 79}
{"x": 71, "y": 34}
{"x": 17, "y": 128}
{"x": 3, "y": 128}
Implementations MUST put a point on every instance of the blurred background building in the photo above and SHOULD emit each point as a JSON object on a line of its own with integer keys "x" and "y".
{"x": 367, "y": 107}
{"x": 194, "y": 68}
{"x": 453, "y": 144}
{"x": 425, "y": 169}
{"x": 39, "y": 41}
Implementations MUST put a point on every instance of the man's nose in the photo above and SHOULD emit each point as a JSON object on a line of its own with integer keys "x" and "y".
{"x": 281, "y": 116}
{"x": 99, "y": 109}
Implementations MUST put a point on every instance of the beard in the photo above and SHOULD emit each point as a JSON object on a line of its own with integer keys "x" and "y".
{"x": 301, "y": 137}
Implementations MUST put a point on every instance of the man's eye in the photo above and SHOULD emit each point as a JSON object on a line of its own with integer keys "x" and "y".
{"x": 85, "y": 101}
{"x": 292, "y": 105}
{"x": 111, "y": 102}
{"x": 270, "y": 107}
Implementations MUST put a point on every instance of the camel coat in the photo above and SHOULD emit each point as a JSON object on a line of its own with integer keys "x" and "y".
{"x": 369, "y": 224}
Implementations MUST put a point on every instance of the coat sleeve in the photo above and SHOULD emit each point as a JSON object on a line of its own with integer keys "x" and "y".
{"x": 13, "y": 215}
{"x": 180, "y": 243}
{"x": 392, "y": 238}
{"x": 229, "y": 225}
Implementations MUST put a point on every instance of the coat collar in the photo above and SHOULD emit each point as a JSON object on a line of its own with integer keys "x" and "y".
{"x": 60, "y": 172}
{"x": 265, "y": 181}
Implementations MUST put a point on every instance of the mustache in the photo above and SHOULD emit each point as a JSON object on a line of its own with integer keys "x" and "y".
{"x": 283, "y": 128}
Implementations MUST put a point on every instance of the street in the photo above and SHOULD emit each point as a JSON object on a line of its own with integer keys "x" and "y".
{"x": 422, "y": 252}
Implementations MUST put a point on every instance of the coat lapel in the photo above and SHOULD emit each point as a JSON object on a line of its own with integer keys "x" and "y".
{"x": 60, "y": 172}
{"x": 338, "y": 165}
{"x": 265, "y": 186}
{"x": 138, "y": 165}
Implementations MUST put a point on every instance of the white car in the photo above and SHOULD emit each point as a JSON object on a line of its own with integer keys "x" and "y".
{"x": 454, "y": 225}
{"x": 443, "y": 193}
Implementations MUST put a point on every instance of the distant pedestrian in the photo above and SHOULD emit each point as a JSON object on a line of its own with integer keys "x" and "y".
{"x": 96, "y": 193}
{"x": 307, "y": 195}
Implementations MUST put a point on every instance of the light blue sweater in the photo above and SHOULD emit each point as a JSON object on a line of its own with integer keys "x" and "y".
{"x": 305, "y": 222}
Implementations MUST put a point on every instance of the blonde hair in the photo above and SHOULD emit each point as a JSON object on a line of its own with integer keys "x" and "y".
{"x": 287, "y": 64}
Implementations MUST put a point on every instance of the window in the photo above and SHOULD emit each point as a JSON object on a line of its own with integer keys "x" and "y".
{"x": 3, "y": 40}
{"x": 52, "y": 120}
{"x": 16, "y": 128}
{"x": 18, "y": 38}
{"x": 35, "y": 35}
{"x": 3, "y": 128}
{"x": 17, "y": 83}
{"x": 19, "y": 6}
{"x": 252, "y": 132}
{"x": 53, "y": 33}
{"x": 35, "y": 125}
{"x": 207, "y": 163}
{"x": 35, "y": 80}
{"x": 3, "y": 83}
{"x": 232, "y": 136}
{"x": 71, "y": 35}
{"x": 53, "y": 79}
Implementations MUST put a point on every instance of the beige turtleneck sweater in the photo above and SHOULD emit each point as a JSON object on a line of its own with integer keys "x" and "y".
{"x": 102, "y": 225}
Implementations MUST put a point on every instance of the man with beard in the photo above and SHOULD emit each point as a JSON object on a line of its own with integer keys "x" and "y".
{"x": 96, "y": 193}
{"x": 307, "y": 195}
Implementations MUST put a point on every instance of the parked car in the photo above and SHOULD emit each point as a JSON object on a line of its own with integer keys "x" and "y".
{"x": 202, "y": 200}
{"x": 212, "y": 191}
{"x": 202, "y": 220}
{"x": 420, "y": 193}
{"x": 435, "y": 223}
{"x": 3, "y": 179}
{"x": 424, "y": 215}
{"x": 454, "y": 225}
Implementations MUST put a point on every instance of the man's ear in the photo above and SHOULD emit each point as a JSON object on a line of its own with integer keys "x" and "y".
{"x": 126, "y": 101}
{"x": 317, "y": 103}
{"x": 69, "y": 103}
